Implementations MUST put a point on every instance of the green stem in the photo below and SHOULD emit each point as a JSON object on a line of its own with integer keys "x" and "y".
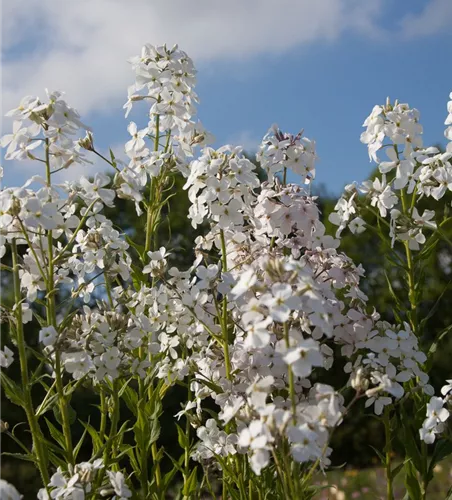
{"x": 144, "y": 452}
{"x": 103, "y": 413}
{"x": 281, "y": 474}
{"x": 36, "y": 432}
{"x": 187, "y": 437}
{"x": 224, "y": 318}
{"x": 388, "y": 449}
{"x": 105, "y": 159}
{"x": 152, "y": 205}
{"x": 410, "y": 274}
{"x": 74, "y": 235}
{"x": 51, "y": 321}
{"x": 110, "y": 450}
{"x": 292, "y": 394}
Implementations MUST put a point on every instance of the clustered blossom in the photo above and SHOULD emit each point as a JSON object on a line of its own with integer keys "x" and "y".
{"x": 165, "y": 78}
{"x": 53, "y": 125}
{"x": 437, "y": 415}
{"x": 78, "y": 482}
{"x": 279, "y": 151}
{"x": 411, "y": 172}
{"x": 266, "y": 303}
{"x": 448, "y": 131}
{"x": 218, "y": 186}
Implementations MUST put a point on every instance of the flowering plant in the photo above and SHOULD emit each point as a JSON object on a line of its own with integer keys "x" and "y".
{"x": 248, "y": 330}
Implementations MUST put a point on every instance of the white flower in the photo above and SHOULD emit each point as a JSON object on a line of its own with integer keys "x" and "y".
{"x": 118, "y": 482}
{"x": 435, "y": 413}
{"x": 6, "y": 357}
{"x": 8, "y": 491}
{"x": 136, "y": 144}
{"x": 77, "y": 363}
{"x": 96, "y": 191}
{"x": 446, "y": 388}
{"x": 227, "y": 215}
{"x": 428, "y": 435}
{"x": 357, "y": 225}
{"x": 260, "y": 458}
{"x": 303, "y": 357}
{"x": 48, "y": 335}
{"x": 281, "y": 302}
{"x": 379, "y": 403}
{"x": 246, "y": 280}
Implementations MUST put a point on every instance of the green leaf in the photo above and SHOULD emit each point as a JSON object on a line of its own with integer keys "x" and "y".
{"x": 443, "y": 449}
{"x": 449, "y": 494}
{"x": 71, "y": 414}
{"x": 42, "y": 322}
{"x": 169, "y": 476}
{"x": 12, "y": 390}
{"x": 95, "y": 438}
{"x": 57, "y": 435}
{"x": 138, "y": 277}
{"x": 412, "y": 482}
{"x": 380, "y": 455}
{"x": 435, "y": 306}
{"x": 20, "y": 456}
{"x": 181, "y": 437}
{"x": 78, "y": 446}
{"x": 411, "y": 444}
{"x": 177, "y": 464}
{"x": 154, "y": 431}
{"x": 68, "y": 319}
{"x": 214, "y": 387}
{"x": 434, "y": 345}
{"x": 130, "y": 397}
{"x": 391, "y": 289}
{"x": 130, "y": 452}
{"x": 141, "y": 251}
{"x": 112, "y": 157}
{"x": 396, "y": 470}
{"x": 190, "y": 484}
{"x": 48, "y": 405}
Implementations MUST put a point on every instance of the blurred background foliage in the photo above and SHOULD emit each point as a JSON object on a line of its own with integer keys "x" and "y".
{"x": 354, "y": 439}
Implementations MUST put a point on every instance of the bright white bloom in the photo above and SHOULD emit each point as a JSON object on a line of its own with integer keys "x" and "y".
{"x": 48, "y": 335}
{"x": 8, "y": 491}
{"x": 6, "y": 357}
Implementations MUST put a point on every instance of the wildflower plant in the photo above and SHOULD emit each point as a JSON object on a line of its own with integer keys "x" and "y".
{"x": 269, "y": 304}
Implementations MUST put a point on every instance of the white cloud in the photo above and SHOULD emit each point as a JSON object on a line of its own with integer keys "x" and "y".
{"x": 247, "y": 139}
{"x": 434, "y": 18}
{"x": 82, "y": 46}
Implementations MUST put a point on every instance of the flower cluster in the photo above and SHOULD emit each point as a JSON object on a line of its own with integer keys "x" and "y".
{"x": 411, "y": 173}
{"x": 53, "y": 124}
{"x": 437, "y": 415}
{"x": 448, "y": 131}
{"x": 218, "y": 186}
{"x": 79, "y": 482}
{"x": 280, "y": 151}
{"x": 268, "y": 305}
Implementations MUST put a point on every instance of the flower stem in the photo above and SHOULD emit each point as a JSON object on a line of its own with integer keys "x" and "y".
{"x": 410, "y": 274}
{"x": 35, "y": 429}
{"x": 292, "y": 394}
{"x": 51, "y": 321}
{"x": 224, "y": 318}
{"x": 388, "y": 450}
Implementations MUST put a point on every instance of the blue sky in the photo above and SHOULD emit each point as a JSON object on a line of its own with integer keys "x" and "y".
{"x": 250, "y": 74}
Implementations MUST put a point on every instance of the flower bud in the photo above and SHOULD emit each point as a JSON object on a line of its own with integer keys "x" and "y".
{"x": 358, "y": 380}
{"x": 87, "y": 142}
